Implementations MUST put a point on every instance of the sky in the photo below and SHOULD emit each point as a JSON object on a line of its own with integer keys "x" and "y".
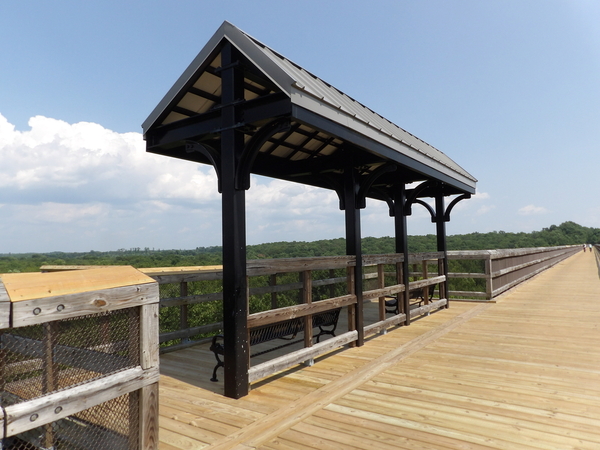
{"x": 508, "y": 89}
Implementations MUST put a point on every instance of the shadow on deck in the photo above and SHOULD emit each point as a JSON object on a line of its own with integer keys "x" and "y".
{"x": 195, "y": 365}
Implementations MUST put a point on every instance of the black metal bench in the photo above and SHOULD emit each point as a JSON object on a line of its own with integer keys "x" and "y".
{"x": 325, "y": 321}
{"x": 392, "y": 306}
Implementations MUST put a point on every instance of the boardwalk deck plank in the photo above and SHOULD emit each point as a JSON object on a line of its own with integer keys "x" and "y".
{"x": 523, "y": 373}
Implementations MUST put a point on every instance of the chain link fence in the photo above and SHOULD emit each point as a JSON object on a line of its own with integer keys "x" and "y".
{"x": 39, "y": 360}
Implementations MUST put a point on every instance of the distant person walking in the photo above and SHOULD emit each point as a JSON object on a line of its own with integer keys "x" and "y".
{"x": 584, "y": 247}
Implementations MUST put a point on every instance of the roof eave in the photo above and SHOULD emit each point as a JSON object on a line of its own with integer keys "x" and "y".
{"x": 245, "y": 45}
{"x": 396, "y": 149}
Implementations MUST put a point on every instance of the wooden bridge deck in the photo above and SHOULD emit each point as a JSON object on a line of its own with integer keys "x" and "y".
{"x": 523, "y": 373}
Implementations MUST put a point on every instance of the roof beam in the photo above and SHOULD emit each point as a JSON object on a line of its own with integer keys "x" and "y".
{"x": 261, "y": 108}
{"x": 204, "y": 94}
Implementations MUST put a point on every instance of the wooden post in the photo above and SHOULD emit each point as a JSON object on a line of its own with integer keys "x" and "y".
{"x": 50, "y": 373}
{"x": 233, "y": 199}
{"x": 148, "y": 424}
{"x": 300, "y": 293}
{"x": 380, "y": 285}
{"x": 400, "y": 280}
{"x": 183, "y": 310}
{"x": 425, "y": 273}
{"x": 489, "y": 287}
{"x": 307, "y": 299}
{"x": 331, "y": 286}
{"x": 273, "y": 282}
{"x": 148, "y": 395}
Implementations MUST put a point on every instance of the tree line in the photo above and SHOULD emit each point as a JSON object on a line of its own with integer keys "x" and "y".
{"x": 567, "y": 233}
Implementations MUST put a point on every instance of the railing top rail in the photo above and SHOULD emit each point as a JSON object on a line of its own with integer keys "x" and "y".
{"x": 504, "y": 253}
{"x": 256, "y": 267}
{"x": 158, "y": 271}
{"x": 392, "y": 258}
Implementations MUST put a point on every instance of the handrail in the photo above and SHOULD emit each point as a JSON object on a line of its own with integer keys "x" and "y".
{"x": 292, "y": 312}
{"x": 273, "y": 268}
{"x": 506, "y": 268}
{"x": 503, "y": 269}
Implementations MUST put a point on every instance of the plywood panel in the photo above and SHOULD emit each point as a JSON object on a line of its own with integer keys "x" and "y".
{"x": 29, "y": 286}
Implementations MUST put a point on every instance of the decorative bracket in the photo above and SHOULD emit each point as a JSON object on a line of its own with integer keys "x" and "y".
{"x": 429, "y": 208}
{"x": 210, "y": 153}
{"x": 244, "y": 166}
{"x": 361, "y": 200}
{"x": 453, "y": 204}
{"x": 414, "y": 193}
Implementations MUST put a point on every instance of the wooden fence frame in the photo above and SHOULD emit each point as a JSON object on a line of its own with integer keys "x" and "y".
{"x": 506, "y": 268}
{"x": 130, "y": 289}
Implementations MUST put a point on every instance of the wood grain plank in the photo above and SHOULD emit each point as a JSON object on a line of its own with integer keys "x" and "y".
{"x": 30, "y": 286}
{"x": 518, "y": 374}
{"x": 75, "y": 399}
{"x": 41, "y": 310}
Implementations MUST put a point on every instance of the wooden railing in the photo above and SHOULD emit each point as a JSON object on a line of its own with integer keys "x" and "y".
{"x": 289, "y": 284}
{"x": 596, "y": 250}
{"x": 504, "y": 269}
{"x": 288, "y": 288}
{"x": 284, "y": 288}
{"x": 377, "y": 268}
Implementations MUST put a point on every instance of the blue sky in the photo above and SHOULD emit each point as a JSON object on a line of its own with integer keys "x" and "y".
{"x": 508, "y": 89}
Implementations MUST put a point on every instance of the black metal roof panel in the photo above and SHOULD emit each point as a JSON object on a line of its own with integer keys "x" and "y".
{"x": 197, "y": 91}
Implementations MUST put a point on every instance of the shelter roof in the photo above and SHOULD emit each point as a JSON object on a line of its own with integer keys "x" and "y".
{"x": 324, "y": 123}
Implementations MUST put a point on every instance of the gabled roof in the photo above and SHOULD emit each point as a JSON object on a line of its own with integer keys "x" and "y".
{"x": 324, "y": 118}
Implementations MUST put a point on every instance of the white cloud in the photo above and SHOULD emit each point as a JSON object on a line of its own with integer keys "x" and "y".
{"x": 77, "y": 187}
{"x": 478, "y": 200}
{"x": 89, "y": 161}
{"x": 60, "y": 212}
{"x": 60, "y": 182}
{"x": 484, "y": 209}
{"x": 531, "y": 210}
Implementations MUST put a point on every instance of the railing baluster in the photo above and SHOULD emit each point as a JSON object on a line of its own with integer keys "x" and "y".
{"x": 184, "y": 310}
{"x": 380, "y": 285}
{"x": 425, "y": 275}
{"x": 273, "y": 282}
{"x": 307, "y": 299}
{"x": 400, "y": 280}
{"x": 489, "y": 286}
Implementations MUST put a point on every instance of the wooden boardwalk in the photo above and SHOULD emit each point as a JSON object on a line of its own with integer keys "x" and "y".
{"x": 522, "y": 373}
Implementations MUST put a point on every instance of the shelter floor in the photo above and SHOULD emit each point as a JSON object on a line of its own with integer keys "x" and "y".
{"x": 522, "y": 373}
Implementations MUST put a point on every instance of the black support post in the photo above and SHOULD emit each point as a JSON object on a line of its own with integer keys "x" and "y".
{"x": 440, "y": 225}
{"x": 235, "y": 308}
{"x": 353, "y": 244}
{"x": 402, "y": 245}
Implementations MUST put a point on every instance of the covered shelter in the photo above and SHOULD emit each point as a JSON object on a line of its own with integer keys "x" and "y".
{"x": 245, "y": 109}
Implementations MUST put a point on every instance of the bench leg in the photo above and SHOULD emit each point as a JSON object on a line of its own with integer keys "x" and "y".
{"x": 219, "y": 364}
{"x": 322, "y": 332}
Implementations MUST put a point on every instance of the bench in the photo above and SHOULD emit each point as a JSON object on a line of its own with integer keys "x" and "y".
{"x": 325, "y": 321}
{"x": 391, "y": 306}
